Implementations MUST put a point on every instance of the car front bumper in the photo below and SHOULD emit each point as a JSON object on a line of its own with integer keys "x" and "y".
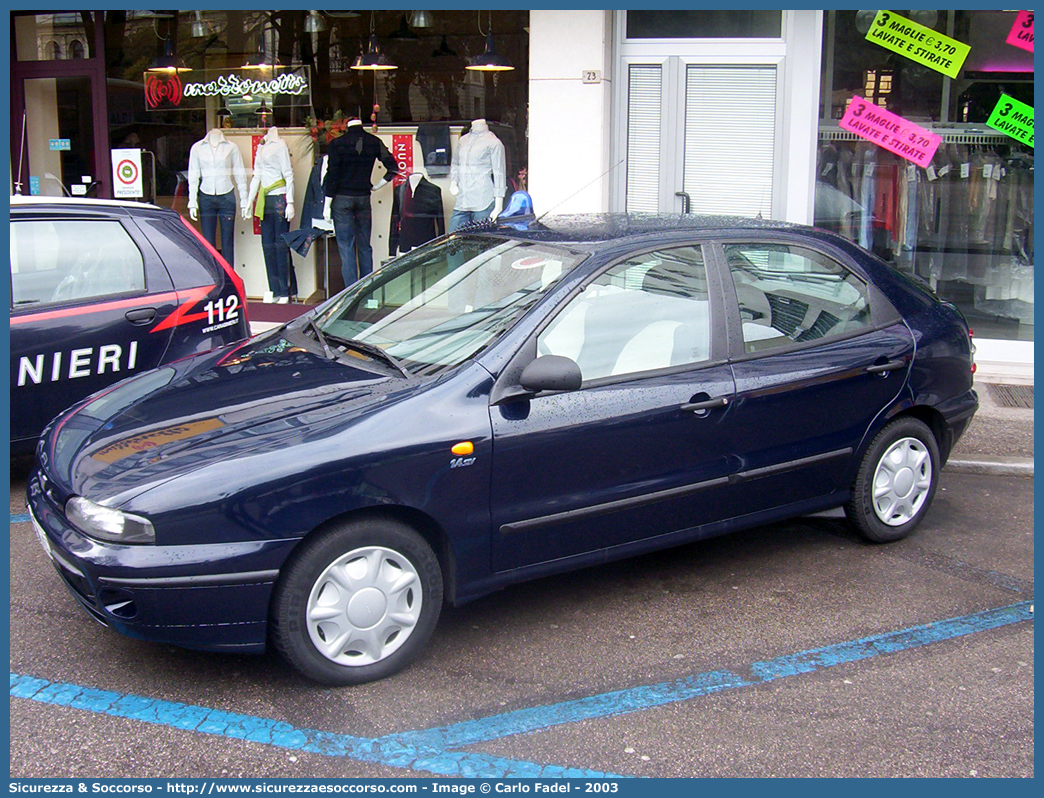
{"x": 212, "y": 597}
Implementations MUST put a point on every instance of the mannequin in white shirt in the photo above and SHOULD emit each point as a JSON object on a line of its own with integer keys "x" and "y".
{"x": 271, "y": 199}
{"x": 477, "y": 176}
{"x": 215, "y": 171}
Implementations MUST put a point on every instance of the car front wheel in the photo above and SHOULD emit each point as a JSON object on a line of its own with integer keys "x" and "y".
{"x": 896, "y": 482}
{"x": 357, "y": 603}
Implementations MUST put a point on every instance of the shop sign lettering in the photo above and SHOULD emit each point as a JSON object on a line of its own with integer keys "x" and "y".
{"x": 165, "y": 92}
{"x": 235, "y": 86}
{"x": 891, "y": 131}
{"x": 1013, "y": 118}
{"x": 918, "y": 43}
{"x": 402, "y": 152}
{"x": 1022, "y": 31}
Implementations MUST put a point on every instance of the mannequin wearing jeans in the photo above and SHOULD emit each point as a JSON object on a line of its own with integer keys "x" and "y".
{"x": 272, "y": 199}
{"x": 214, "y": 162}
{"x": 347, "y": 187}
{"x": 477, "y": 176}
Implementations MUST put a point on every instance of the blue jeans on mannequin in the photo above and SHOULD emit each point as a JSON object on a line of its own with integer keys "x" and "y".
{"x": 214, "y": 208}
{"x": 274, "y": 247}
{"x": 460, "y": 218}
{"x": 353, "y": 221}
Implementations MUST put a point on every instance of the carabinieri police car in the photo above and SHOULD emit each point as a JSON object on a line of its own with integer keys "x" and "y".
{"x": 102, "y": 290}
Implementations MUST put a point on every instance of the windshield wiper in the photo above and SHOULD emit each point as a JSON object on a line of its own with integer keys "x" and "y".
{"x": 372, "y": 350}
{"x": 310, "y": 324}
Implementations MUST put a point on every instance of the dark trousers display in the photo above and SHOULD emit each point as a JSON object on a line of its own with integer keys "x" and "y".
{"x": 353, "y": 221}
{"x": 277, "y": 254}
{"x": 215, "y": 208}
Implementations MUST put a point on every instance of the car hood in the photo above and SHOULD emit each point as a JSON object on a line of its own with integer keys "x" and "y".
{"x": 274, "y": 391}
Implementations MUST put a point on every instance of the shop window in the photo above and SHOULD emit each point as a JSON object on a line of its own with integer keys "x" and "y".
{"x": 791, "y": 295}
{"x": 964, "y": 224}
{"x": 64, "y": 261}
{"x": 50, "y": 37}
{"x": 648, "y": 313}
{"x": 689, "y": 24}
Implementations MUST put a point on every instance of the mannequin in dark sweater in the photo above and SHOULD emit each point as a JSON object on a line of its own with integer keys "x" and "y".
{"x": 347, "y": 188}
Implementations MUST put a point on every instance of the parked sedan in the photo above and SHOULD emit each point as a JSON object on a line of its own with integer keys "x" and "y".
{"x": 498, "y": 405}
{"x": 102, "y": 290}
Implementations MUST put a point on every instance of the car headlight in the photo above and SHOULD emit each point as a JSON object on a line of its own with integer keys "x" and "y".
{"x": 105, "y": 523}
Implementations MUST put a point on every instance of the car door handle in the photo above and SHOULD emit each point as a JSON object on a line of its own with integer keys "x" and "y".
{"x": 141, "y": 315}
{"x": 710, "y": 404}
{"x": 880, "y": 368}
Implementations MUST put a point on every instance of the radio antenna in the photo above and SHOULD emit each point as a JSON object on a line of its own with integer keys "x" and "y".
{"x": 21, "y": 154}
{"x": 582, "y": 188}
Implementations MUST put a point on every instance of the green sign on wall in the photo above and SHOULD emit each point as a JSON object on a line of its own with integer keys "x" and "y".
{"x": 1014, "y": 118}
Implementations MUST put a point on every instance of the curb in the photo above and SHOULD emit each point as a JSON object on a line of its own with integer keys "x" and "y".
{"x": 995, "y": 466}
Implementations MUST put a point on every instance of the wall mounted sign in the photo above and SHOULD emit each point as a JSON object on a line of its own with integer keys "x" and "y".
{"x": 59, "y": 145}
{"x": 918, "y": 43}
{"x": 126, "y": 174}
{"x": 1014, "y": 118}
{"x": 402, "y": 152}
{"x": 279, "y": 87}
{"x": 891, "y": 131}
{"x": 1022, "y": 31}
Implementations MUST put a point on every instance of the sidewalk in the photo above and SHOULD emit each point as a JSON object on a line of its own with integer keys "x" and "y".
{"x": 999, "y": 439}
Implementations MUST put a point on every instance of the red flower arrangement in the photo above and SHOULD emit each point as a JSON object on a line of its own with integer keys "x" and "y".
{"x": 328, "y": 128}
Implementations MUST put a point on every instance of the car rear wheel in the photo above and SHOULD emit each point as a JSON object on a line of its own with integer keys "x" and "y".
{"x": 896, "y": 482}
{"x": 357, "y": 603}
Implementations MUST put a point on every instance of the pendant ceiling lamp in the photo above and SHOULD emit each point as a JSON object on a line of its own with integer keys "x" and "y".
{"x": 169, "y": 62}
{"x": 200, "y": 27}
{"x": 374, "y": 60}
{"x": 422, "y": 19}
{"x": 314, "y": 23}
{"x": 490, "y": 60}
{"x": 404, "y": 33}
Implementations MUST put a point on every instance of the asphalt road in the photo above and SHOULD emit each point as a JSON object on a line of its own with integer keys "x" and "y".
{"x": 672, "y": 664}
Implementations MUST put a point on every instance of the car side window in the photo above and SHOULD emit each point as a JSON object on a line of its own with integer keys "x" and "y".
{"x": 54, "y": 260}
{"x": 649, "y": 312}
{"x": 789, "y": 294}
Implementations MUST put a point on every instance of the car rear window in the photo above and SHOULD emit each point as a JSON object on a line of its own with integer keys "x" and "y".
{"x": 186, "y": 259}
{"x": 63, "y": 260}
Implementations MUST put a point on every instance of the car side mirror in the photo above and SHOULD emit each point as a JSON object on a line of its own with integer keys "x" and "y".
{"x": 551, "y": 373}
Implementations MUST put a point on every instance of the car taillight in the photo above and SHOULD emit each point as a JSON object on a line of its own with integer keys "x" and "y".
{"x": 971, "y": 342}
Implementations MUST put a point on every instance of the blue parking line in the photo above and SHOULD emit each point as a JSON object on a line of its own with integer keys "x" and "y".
{"x": 282, "y": 735}
{"x": 432, "y": 750}
{"x": 646, "y": 697}
{"x": 19, "y": 518}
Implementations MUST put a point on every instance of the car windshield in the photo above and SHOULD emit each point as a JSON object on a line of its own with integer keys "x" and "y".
{"x": 441, "y": 304}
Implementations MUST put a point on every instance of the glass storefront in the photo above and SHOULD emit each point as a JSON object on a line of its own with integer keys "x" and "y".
{"x": 430, "y": 85}
{"x": 964, "y": 223}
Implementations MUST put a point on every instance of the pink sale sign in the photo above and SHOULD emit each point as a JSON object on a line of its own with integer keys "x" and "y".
{"x": 890, "y": 131}
{"x": 1022, "y": 31}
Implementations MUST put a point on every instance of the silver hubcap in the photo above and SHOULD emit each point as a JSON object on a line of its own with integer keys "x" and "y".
{"x": 364, "y": 606}
{"x": 901, "y": 481}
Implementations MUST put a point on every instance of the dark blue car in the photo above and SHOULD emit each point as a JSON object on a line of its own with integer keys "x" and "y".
{"x": 101, "y": 290}
{"x": 495, "y": 406}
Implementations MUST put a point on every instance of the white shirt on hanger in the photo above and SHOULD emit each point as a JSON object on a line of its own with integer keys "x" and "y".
{"x": 478, "y": 169}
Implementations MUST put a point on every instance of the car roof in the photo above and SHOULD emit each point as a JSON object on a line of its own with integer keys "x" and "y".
{"x": 595, "y": 228}
{"x": 78, "y": 202}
